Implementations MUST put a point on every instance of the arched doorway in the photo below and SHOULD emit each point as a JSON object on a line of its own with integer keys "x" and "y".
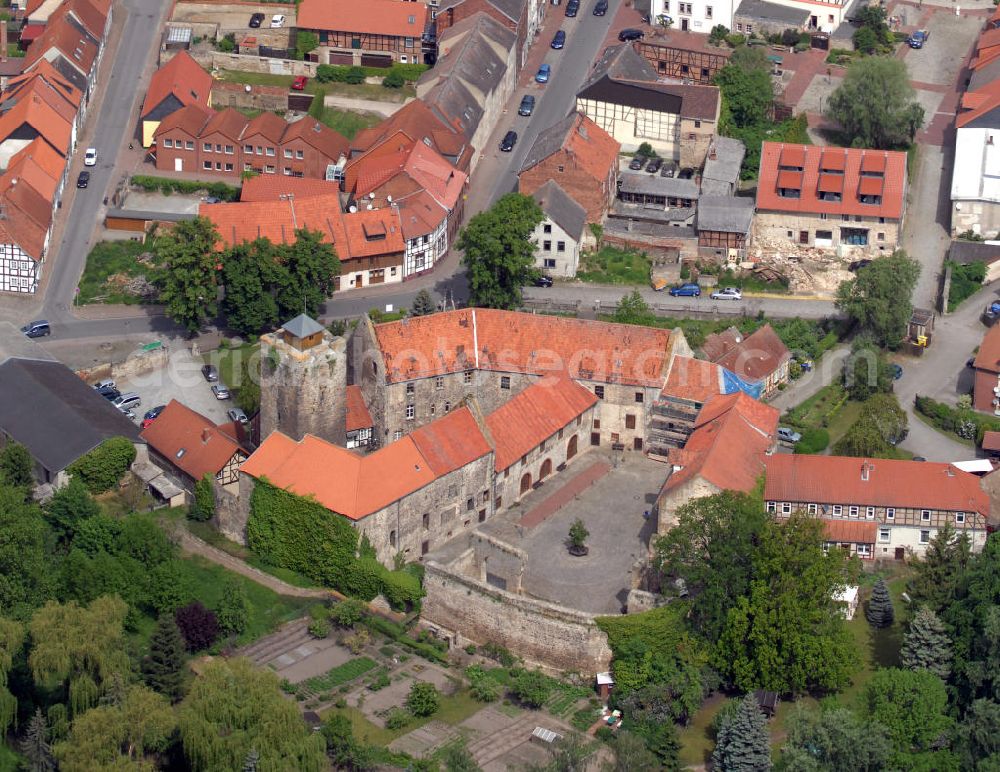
{"x": 546, "y": 469}
{"x": 526, "y": 483}
{"x": 571, "y": 448}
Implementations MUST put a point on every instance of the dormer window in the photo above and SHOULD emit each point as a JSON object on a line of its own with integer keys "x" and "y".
{"x": 789, "y": 192}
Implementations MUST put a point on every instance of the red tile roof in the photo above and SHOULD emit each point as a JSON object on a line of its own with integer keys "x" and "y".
{"x": 269, "y": 187}
{"x": 892, "y": 186}
{"x": 42, "y": 153}
{"x": 534, "y": 416}
{"x": 418, "y": 123}
{"x": 592, "y": 148}
{"x": 850, "y": 531}
{"x": 206, "y": 447}
{"x": 75, "y": 48}
{"x": 510, "y": 341}
{"x": 38, "y": 112}
{"x": 267, "y": 125}
{"x": 728, "y": 446}
{"x": 718, "y": 344}
{"x": 182, "y": 77}
{"x": 838, "y": 480}
{"x": 756, "y": 356}
{"x": 987, "y": 48}
{"x": 330, "y": 143}
{"x": 375, "y": 232}
{"x": 27, "y": 212}
{"x": 230, "y": 123}
{"x": 427, "y": 169}
{"x": 358, "y": 416}
{"x": 419, "y": 214}
{"x": 356, "y": 486}
{"x": 693, "y": 379}
{"x": 379, "y": 17}
{"x": 190, "y": 119}
{"x": 988, "y": 356}
{"x": 44, "y": 72}
{"x": 991, "y": 440}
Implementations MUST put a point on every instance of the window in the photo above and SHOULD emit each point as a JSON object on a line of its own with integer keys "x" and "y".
{"x": 629, "y": 421}
{"x": 639, "y": 397}
{"x": 439, "y": 383}
{"x": 925, "y": 515}
{"x": 411, "y": 412}
{"x": 880, "y": 236}
{"x": 189, "y": 144}
{"x": 560, "y": 246}
{"x": 409, "y": 388}
{"x": 447, "y": 407}
{"x": 248, "y": 149}
{"x": 870, "y": 513}
{"x": 852, "y": 511}
{"x": 524, "y": 460}
{"x": 599, "y": 392}
{"x": 925, "y": 536}
{"x": 837, "y": 509}
{"x": 749, "y": 28}
{"x": 546, "y": 228}
{"x": 452, "y": 493}
{"x": 547, "y": 245}
{"x": 218, "y": 166}
{"x": 206, "y": 164}
{"x": 260, "y": 150}
{"x": 288, "y": 153}
{"x": 560, "y": 167}
{"x": 739, "y": 26}
{"x": 218, "y": 148}
{"x": 287, "y": 171}
{"x": 207, "y": 147}
{"x": 541, "y": 448}
{"x": 685, "y": 8}
{"x": 890, "y": 513}
{"x": 298, "y": 155}
{"x": 864, "y": 549}
{"x": 396, "y": 435}
{"x": 811, "y": 509}
{"x": 229, "y": 167}
{"x": 168, "y": 143}
{"x": 771, "y": 506}
{"x": 433, "y": 408}
{"x": 549, "y": 262}
{"x": 427, "y": 522}
{"x": 708, "y": 12}
{"x": 408, "y": 42}
{"x": 597, "y": 423}
{"x": 959, "y": 518}
{"x": 270, "y": 151}
{"x": 505, "y": 382}
{"x": 615, "y": 439}
{"x": 786, "y": 507}
{"x": 467, "y": 376}
{"x": 269, "y": 169}
{"x": 883, "y": 534}
{"x": 470, "y": 504}
{"x": 697, "y": 124}
{"x": 392, "y": 538}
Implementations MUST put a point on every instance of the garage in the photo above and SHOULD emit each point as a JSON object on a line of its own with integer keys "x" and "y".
{"x": 341, "y": 58}
{"x": 376, "y": 60}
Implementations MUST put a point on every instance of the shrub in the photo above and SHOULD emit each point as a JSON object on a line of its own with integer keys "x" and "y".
{"x": 531, "y": 688}
{"x": 499, "y": 653}
{"x": 397, "y": 719}
{"x": 813, "y": 441}
{"x": 102, "y": 468}
{"x": 204, "y": 499}
{"x": 380, "y": 681}
{"x": 401, "y": 588}
{"x": 481, "y": 686}
{"x": 423, "y": 699}
{"x": 357, "y": 641}
{"x": 354, "y": 76}
{"x": 393, "y": 80}
{"x": 198, "y": 625}
{"x": 966, "y": 280}
{"x": 470, "y": 649}
{"x": 166, "y": 186}
{"x": 319, "y": 628}
{"x": 348, "y": 613}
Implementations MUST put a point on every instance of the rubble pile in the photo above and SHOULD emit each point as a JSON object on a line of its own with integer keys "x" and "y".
{"x": 137, "y": 286}
{"x": 809, "y": 270}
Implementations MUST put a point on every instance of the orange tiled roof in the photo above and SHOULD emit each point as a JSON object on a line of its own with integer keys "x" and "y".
{"x": 42, "y": 153}
{"x": 269, "y": 187}
{"x": 891, "y": 185}
{"x": 230, "y": 123}
{"x": 418, "y": 123}
{"x": 757, "y": 356}
{"x": 850, "y": 531}
{"x": 356, "y": 486}
{"x": 75, "y": 48}
{"x": 190, "y": 119}
{"x": 693, "y": 379}
{"x": 278, "y": 220}
{"x": 375, "y": 232}
{"x": 592, "y": 148}
{"x": 988, "y": 356}
{"x": 718, "y": 344}
{"x": 991, "y": 440}
{"x": 379, "y": 17}
{"x": 509, "y": 341}
{"x": 268, "y": 125}
{"x": 206, "y": 447}
{"x": 88, "y": 15}
{"x": 26, "y": 171}
{"x": 27, "y": 213}
{"x": 419, "y": 214}
{"x": 358, "y": 416}
{"x": 838, "y": 479}
{"x": 37, "y": 112}
{"x": 728, "y": 445}
{"x": 44, "y": 71}
{"x": 181, "y": 77}
{"x": 330, "y": 143}
{"x": 435, "y": 175}
{"x": 534, "y": 416}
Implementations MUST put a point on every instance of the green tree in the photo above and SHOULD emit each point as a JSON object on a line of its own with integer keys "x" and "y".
{"x": 188, "y": 285}
{"x": 880, "y": 612}
{"x": 912, "y": 706}
{"x": 68, "y": 507}
{"x": 119, "y": 736}
{"x": 35, "y": 744}
{"x": 343, "y": 748}
{"x": 102, "y": 468}
{"x": 745, "y": 85}
{"x": 578, "y": 534}
{"x": 310, "y": 268}
{"x": 499, "y": 253}
{"x": 710, "y": 548}
{"x": 875, "y": 104}
{"x": 926, "y": 645}
{"x": 348, "y": 612}
{"x": 834, "y": 739}
{"x": 203, "y": 507}
{"x": 571, "y": 754}
{"x": 305, "y": 42}
{"x": 631, "y": 754}
{"x": 248, "y": 396}
{"x": 941, "y": 573}
{"x": 458, "y": 759}
{"x": 234, "y": 608}
{"x": 866, "y": 371}
{"x": 250, "y": 272}
{"x": 633, "y": 309}
{"x": 16, "y": 467}
{"x": 423, "y": 304}
{"x": 863, "y": 440}
{"x": 25, "y": 561}
{"x": 11, "y": 641}
{"x": 865, "y": 40}
{"x": 163, "y": 667}
{"x": 743, "y": 744}
{"x": 787, "y": 634}
{"x": 884, "y": 412}
{"x": 233, "y": 707}
{"x": 531, "y": 688}
{"x": 980, "y": 735}
{"x": 878, "y": 298}
{"x": 423, "y": 699}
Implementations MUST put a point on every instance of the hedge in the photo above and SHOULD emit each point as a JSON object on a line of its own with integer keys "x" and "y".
{"x": 813, "y": 441}
{"x": 326, "y": 73}
{"x": 964, "y": 423}
{"x": 966, "y": 281}
{"x": 102, "y": 468}
{"x": 167, "y": 185}
{"x": 398, "y": 634}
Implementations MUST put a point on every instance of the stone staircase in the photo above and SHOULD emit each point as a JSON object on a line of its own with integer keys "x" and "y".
{"x": 285, "y": 638}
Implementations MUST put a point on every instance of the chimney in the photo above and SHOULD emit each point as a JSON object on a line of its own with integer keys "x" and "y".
{"x": 3, "y": 41}
{"x": 866, "y": 470}
{"x": 205, "y": 436}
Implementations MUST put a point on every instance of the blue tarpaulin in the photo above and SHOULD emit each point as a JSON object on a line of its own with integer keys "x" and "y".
{"x": 731, "y": 383}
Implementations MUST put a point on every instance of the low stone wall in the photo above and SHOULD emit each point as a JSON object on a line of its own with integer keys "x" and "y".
{"x": 216, "y": 60}
{"x": 540, "y": 632}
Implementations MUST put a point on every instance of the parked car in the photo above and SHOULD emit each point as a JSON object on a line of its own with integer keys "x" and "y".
{"x": 896, "y": 370}
{"x": 637, "y": 163}
{"x": 572, "y": 8}
{"x": 918, "y": 458}
{"x": 918, "y": 38}
{"x": 508, "y": 141}
{"x": 213, "y": 200}
{"x": 37, "y": 329}
{"x": 654, "y": 165}
{"x": 127, "y": 401}
{"x": 669, "y": 169}
{"x": 542, "y": 76}
{"x": 90, "y": 157}
{"x": 220, "y": 390}
{"x": 256, "y": 20}
{"x": 559, "y": 40}
{"x": 543, "y": 281}
{"x": 109, "y": 393}
{"x": 277, "y": 21}
{"x": 211, "y": 373}
{"x": 788, "y": 435}
{"x": 685, "y": 174}
{"x": 152, "y": 415}
{"x": 83, "y": 180}
{"x": 127, "y": 413}
{"x": 299, "y": 84}
{"x": 235, "y": 414}
{"x": 601, "y": 7}
{"x": 527, "y": 106}
{"x": 689, "y": 290}
{"x": 630, "y": 33}
{"x": 729, "y": 293}
{"x": 106, "y": 383}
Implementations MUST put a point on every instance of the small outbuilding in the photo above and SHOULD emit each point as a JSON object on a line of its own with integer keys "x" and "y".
{"x": 849, "y": 598}
{"x": 605, "y": 683}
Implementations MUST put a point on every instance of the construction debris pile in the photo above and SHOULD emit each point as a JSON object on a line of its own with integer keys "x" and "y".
{"x": 809, "y": 270}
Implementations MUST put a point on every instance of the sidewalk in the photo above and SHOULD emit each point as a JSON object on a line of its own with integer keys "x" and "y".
{"x": 824, "y": 373}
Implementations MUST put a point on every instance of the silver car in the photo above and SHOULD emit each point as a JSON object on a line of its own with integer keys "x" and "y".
{"x": 220, "y": 390}
{"x": 729, "y": 293}
{"x": 237, "y": 415}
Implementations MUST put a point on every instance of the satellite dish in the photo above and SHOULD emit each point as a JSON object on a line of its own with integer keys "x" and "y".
{"x": 372, "y": 194}
{"x": 248, "y": 88}
{"x": 388, "y": 199}
{"x": 370, "y": 207}
{"x": 352, "y": 209}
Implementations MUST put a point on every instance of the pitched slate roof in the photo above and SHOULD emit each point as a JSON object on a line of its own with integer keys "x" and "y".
{"x": 722, "y": 165}
{"x": 510, "y": 8}
{"x": 190, "y": 441}
{"x": 535, "y": 415}
{"x": 183, "y": 78}
{"x": 561, "y": 209}
{"x": 725, "y": 214}
{"x": 379, "y": 17}
{"x": 621, "y": 62}
{"x": 593, "y": 150}
{"x": 890, "y": 483}
{"x": 687, "y": 100}
{"x": 473, "y": 49}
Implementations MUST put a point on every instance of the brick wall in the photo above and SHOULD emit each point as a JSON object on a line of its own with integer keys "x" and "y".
{"x": 592, "y": 194}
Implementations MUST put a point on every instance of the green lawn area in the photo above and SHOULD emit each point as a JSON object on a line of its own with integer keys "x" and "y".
{"x": 348, "y": 122}
{"x": 696, "y": 738}
{"x": 614, "y": 266}
{"x": 111, "y": 258}
{"x": 230, "y": 363}
{"x": 374, "y": 91}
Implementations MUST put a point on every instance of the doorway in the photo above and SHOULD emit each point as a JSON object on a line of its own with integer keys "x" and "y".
{"x": 684, "y": 25}
{"x": 526, "y": 483}
{"x": 571, "y": 448}
{"x": 546, "y": 469}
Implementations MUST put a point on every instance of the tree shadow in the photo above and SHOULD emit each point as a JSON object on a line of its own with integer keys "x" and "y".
{"x": 885, "y": 644}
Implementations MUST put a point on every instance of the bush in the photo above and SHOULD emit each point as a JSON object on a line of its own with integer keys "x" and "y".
{"x": 964, "y": 423}
{"x": 531, "y": 688}
{"x": 354, "y": 76}
{"x": 499, "y": 653}
{"x": 318, "y": 104}
{"x": 204, "y": 500}
{"x": 481, "y": 686}
{"x": 813, "y": 441}
{"x": 380, "y": 681}
{"x": 198, "y": 625}
{"x": 102, "y": 468}
{"x": 166, "y": 186}
{"x": 966, "y": 280}
{"x": 397, "y": 719}
{"x": 348, "y": 613}
{"x": 735, "y": 39}
{"x": 423, "y": 699}
{"x": 393, "y": 80}
{"x": 319, "y": 628}
{"x": 357, "y": 641}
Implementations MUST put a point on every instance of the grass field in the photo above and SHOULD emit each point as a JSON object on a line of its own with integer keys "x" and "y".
{"x": 614, "y": 266}
{"x": 111, "y": 258}
{"x": 374, "y": 91}
{"x": 348, "y": 122}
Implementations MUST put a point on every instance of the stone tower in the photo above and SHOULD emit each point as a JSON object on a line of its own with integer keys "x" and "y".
{"x": 303, "y": 382}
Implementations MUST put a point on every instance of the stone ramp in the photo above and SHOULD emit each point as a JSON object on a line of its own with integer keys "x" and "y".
{"x": 570, "y": 489}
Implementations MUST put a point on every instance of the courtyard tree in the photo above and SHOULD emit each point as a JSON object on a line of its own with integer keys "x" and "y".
{"x": 203, "y": 507}
{"x": 68, "y": 507}
{"x": 745, "y": 85}
{"x": 866, "y": 370}
{"x": 25, "y": 561}
{"x": 305, "y": 42}
{"x": 875, "y": 104}
{"x": 16, "y": 466}
{"x": 878, "y": 298}
{"x": 499, "y": 253}
{"x": 926, "y": 645}
{"x": 913, "y": 707}
{"x": 189, "y": 282}
{"x": 940, "y": 576}
{"x": 743, "y": 744}
{"x": 835, "y": 739}
{"x": 102, "y": 468}
{"x": 249, "y": 272}
{"x": 310, "y": 267}
{"x": 531, "y": 688}
{"x": 578, "y": 534}
{"x": 423, "y": 699}
{"x": 880, "y": 612}
{"x": 423, "y": 304}
{"x": 163, "y": 667}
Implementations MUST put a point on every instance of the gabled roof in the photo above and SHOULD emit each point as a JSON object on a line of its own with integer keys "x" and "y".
{"x": 190, "y": 441}
{"x": 458, "y": 103}
{"x": 35, "y": 111}
{"x": 621, "y": 62}
{"x": 330, "y": 143}
{"x": 183, "y": 78}
{"x": 231, "y": 124}
{"x": 379, "y": 17}
{"x": 561, "y": 209}
{"x": 373, "y": 232}
{"x": 268, "y": 125}
{"x": 419, "y": 123}
{"x": 592, "y": 149}
{"x": 268, "y": 187}
{"x": 358, "y": 416}
{"x": 43, "y": 73}
{"x": 84, "y": 14}
{"x": 890, "y": 483}
{"x": 27, "y": 215}
{"x": 988, "y": 356}
{"x": 877, "y": 173}
{"x": 695, "y": 380}
{"x": 752, "y": 358}
{"x": 687, "y": 100}
{"x": 850, "y": 531}
{"x": 190, "y": 119}
{"x": 278, "y": 220}
{"x": 356, "y": 486}
{"x": 73, "y": 45}
{"x": 474, "y": 50}
{"x": 725, "y": 214}
{"x": 510, "y": 341}
{"x": 42, "y": 153}
{"x": 435, "y": 175}
{"x": 535, "y": 415}
{"x": 419, "y": 214}
{"x": 722, "y": 165}
{"x": 512, "y": 9}
{"x": 728, "y": 446}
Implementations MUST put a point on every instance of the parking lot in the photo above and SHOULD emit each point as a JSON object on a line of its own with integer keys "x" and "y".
{"x": 940, "y": 60}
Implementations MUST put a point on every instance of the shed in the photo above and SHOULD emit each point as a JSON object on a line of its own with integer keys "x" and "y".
{"x": 605, "y": 683}
{"x": 849, "y": 597}
{"x": 766, "y": 701}
{"x": 921, "y": 327}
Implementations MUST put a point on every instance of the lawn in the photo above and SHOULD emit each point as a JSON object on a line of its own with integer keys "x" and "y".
{"x": 614, "y": 266}
{"x": 374, "y": 91}
{"x": 112, "y": 259}
{"x": 348, "y": 122}
{"x": 230, "y": 363}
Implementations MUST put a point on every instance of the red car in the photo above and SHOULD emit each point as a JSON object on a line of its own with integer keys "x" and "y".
{"x": 299, "y": 84}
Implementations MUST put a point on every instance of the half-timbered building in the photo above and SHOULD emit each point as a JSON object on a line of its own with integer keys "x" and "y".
{"x": 376, "y": 34}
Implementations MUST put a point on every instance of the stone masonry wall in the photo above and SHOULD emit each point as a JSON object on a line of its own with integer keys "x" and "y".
{"x": 232, "y": 510}
{"x": 775, "y": 227}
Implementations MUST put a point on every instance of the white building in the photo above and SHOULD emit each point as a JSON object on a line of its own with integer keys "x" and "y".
{"x": 975, "y": 182}
{"x": 695, "y": 15}
{"x": 559, "y": 236}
